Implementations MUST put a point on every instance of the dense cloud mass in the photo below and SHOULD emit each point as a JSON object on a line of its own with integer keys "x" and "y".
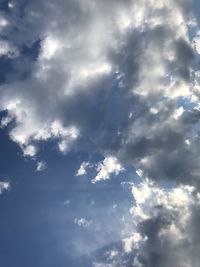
{"x": 121, "y": 79}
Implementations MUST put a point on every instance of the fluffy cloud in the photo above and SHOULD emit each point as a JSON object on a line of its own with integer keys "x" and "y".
{"x": 106, "y": 168}
{"x": 165, "y": 228}
{"x": 83, "y": 168}
{"x": 117, "y": 78}
{"x": 110, "y": 165}
{"x": 164, "y": 219}
{"x": 79, "y": 60}
{"x": 125, "y": 88}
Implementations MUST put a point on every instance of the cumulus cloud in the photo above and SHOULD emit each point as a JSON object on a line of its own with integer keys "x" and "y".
{"x": 120, "y": 79}
{"x": 165, "y": 224}
{"x": 164, "y": 219}
{"x": 123, "y": 88}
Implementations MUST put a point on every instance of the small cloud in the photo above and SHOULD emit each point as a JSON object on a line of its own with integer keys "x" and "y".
{"x": 139, "y": 172}
{"x": 41, "y": 166}
{"x": 109, "y": 166}
{"x": 114, "y": 205}
{"x": 67, "y": 202}
{"x": 82, "y": 222}
{"x": 11, "y": 5}
{"x": 178, "y": 112}
{"x": 83, "y": 168}
{"x": 4, "y": 186}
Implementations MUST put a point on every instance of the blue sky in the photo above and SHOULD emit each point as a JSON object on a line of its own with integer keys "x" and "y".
{"x": 99, "y": 133}
{"x": 39, "y": 210}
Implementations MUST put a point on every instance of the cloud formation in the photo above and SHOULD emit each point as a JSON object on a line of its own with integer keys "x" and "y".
{"x": 164, "y": 218}
{"x": 164, "y": 232}
{"x": 120, "y": 79}
{"x": 125, "y": 88}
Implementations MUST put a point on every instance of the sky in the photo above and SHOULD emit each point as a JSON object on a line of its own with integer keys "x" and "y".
{"x": 99, "y": 133}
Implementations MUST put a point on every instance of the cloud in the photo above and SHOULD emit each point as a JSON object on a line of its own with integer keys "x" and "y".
{"x": 77, "y": 59}
{"x": 67, "y": 202}
{"x": 4, "y": 186}
{"x": 119, "y": 90}
{"x": 7, "y": 49}
{"x": 112, "y": 254}
{"x": 165, "y": 228}
{"x": 40, "y": 166}
{"x": 133, "y": 242}
{"x": 164, "y": 219}
{"x": 119, "y": 79}
{"x": 83, "y": 168}
{"x": 106, "y": 168}
{"x": 82, "y": 222}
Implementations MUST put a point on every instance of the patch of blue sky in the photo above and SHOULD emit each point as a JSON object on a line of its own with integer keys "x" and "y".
{"x": 185, "y": 102}
{"x": 46, "y": 191}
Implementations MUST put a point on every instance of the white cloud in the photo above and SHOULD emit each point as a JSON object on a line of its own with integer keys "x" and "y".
{"x": 112, "y": 254}
{"x": 82, "y": 222}
{"x": 196, "y": 42}
{"x": 5, "y": 121}
{"x": 3, "y": 22}
{"x": 139, "y": 172}
{"x": 10, "y": 4}
{"x": 41, "y": 165}
{"x": 110, "y": 165}
{"x": 178, "y": 112}
{"x": 65, "y": 135}
{"x": 30, "y": 151}
{"x": 4, "y": 186}
{"x": 78, "y": 60}
{"x": 49, "y": 47}
{"x": 111, "y": 80}
{"x": 83, "y": 168}
{"x": 148, "y": 196}
{"x": 172, "y": 208}
{"x": 133, "y": 242}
